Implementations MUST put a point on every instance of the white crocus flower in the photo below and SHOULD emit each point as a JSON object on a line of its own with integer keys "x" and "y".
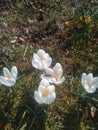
{"x": 89, "y": 82}
{"x": 46, "y": 93}
{"x": 9, "y": 78}
{"x": 54, "y": 75}
{"x": 41, "y": 60}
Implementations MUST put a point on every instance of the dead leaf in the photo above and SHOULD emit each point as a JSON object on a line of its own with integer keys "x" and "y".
{"x": 93, "y": 111}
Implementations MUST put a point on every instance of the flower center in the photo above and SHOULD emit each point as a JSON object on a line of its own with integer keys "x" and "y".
{"x": 89, "y": 84}
{"x": 45, "y": 92}
{"x": 43, "y": 58}
{"x": 8, "y": 76}
{"x": 56, "y": 75}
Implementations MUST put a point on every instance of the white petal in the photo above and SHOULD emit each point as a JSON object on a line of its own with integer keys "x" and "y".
{"x": 46, "y": 56}
{"x": 6, "y": 82}
{"x": 37, "y": 97}
{"x": 57, "y": 67}
{"x": 44, "y": 64}
{"x": 6, "y": 72}
{"x": 41, "y": 53}
{"x": 95, "y": 82}
{"x": 83, "y": 78}
{"x": 45, "y": 77}
{"x": 40, "y": 89}
{"x": 48, "y": 59}
{"x": 89, "y": 77}
{"x": 51, "y": 88}
{"x": 11, "y": 82}
{"x": 51, "y": 98}
{"x": 42, "y": 76}
{"x": 44, "y": 82}
{"x": 36, "y": 57}
{"x": 58, "y": 81}
{"x": 3, "y": 80}
{"x": 52, "y": 80}
{"x": 37, "y": 65}
{"x": 61, "y": 80}
{"x": 60, "y": 72}
{"x": 96, "y": 85}
{"x": 48, "y": 71}
{"x": 93, "y": 90}
{"x": 14, "y": 72}
{"x": 49, "y": 62}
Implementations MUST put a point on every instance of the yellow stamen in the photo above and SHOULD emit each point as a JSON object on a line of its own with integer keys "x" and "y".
{"x": 43, "y": 58}
{"x": 89, "y": 84}
{"x": 56, "y": 75}
{"x": 45, "y": 92}
{"x": 8, "y": 76}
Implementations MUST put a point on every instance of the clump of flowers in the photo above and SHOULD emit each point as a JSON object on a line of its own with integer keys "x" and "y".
{"x": 87, "y": 19}
{"x": 46, "y": 92}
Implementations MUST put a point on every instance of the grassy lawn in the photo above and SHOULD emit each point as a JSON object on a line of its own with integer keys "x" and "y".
{"x": 67, "y": 31}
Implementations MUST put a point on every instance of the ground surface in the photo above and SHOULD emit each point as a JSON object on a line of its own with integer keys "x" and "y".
{"x": 24, "y": 29}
